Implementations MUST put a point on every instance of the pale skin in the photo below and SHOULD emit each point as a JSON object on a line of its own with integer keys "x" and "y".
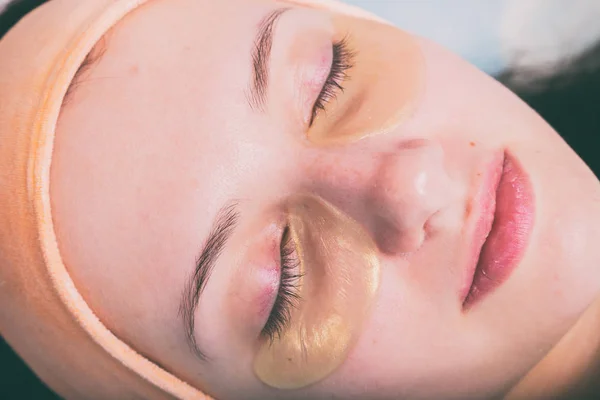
{"x": 158, "y": 136}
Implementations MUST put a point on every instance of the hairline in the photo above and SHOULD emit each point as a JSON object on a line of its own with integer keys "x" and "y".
{"x": 90, "y": 60}
{"x": 12, "y": 12}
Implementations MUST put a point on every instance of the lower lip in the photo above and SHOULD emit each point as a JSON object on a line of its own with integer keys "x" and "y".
{"x": 510, "y": 232}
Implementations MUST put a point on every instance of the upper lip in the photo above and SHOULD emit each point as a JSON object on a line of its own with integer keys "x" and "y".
{"x": 483, "y": 206}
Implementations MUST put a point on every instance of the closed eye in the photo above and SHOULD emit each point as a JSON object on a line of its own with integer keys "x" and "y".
{"x": 341, "y": 63}
{"x": 288, "y": 292}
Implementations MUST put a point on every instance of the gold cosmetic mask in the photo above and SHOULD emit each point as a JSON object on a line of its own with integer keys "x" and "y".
{"x": 382, "y": 87}
{"x": 340, "y": 277}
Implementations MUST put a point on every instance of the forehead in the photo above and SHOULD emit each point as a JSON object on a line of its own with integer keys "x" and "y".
{"x": 143, "y": 145}
{"x": 160, "y": 99}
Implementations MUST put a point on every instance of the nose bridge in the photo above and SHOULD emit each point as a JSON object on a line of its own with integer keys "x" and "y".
{"x": 348, "y": 169}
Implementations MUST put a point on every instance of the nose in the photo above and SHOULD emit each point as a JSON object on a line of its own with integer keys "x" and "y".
{"x": 393, "y": 193}
{"x": 410, "y": 185}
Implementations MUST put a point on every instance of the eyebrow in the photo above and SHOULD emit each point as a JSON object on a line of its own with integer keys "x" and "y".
{"x": 222, "y": 229}
{"x": 261, "y": 55}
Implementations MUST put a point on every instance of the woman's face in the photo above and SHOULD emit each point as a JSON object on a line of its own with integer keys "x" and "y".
{"x": 290, "y": 203}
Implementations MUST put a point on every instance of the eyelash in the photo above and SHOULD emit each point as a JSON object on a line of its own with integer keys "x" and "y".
{"x": 287, "y": 294}
{"x": 341, "y": 62}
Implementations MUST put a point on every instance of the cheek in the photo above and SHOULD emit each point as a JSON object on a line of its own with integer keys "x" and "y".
{"x": 458, "y": 101}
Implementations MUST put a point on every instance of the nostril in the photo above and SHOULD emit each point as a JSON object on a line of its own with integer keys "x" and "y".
{"x": 428, "y": 228}
{"x": 394, "y": 241}
{"x": 414, "y": 144}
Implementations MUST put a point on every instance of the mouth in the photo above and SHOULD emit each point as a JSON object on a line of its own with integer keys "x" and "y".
{"x": 502, "y": 231}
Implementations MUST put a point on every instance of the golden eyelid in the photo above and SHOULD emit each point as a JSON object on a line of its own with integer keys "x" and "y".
{"x": 382, "y": 86}
{"x": 340, "y": 268}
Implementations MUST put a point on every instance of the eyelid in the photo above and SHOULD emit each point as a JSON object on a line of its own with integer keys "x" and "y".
{"x": 342, "y": 62}
{"x": 301, "y": 60}
{"x": 287, "y": 295}
{"x": 268, "y": 279}
{"x": 256, "y": 277}
{"x": 269, "y": 272}
{"x": 312, "y": 78}
{"x": 308, "y": 57}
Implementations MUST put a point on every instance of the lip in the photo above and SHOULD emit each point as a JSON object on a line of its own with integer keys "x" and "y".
{"x": 502, "y": 230}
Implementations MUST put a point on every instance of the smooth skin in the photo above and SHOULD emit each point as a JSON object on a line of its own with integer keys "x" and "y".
{"x": 158, "y": 136}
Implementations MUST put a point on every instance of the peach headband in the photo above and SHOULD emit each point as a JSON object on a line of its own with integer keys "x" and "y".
{"x": 43, "y": 316}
